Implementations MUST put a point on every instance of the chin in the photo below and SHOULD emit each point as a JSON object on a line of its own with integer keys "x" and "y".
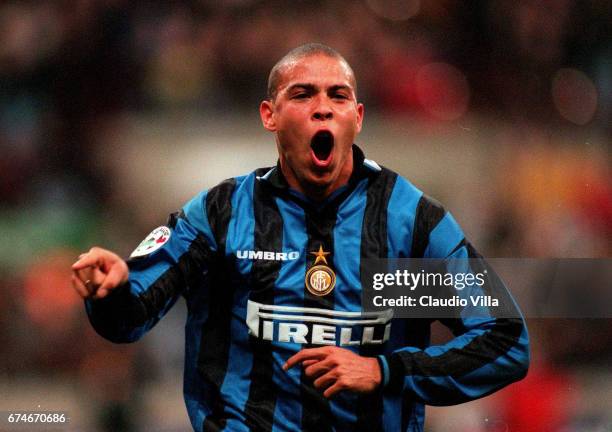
{"x": 322, "y": 178}
{"x": 318, "y": 181}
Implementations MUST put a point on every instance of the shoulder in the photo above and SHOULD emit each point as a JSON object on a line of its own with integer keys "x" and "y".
{"x": 211, "y": 209}
{"x": 400, "y": 188}
{"x": 220, "y": 196}
{"x": 419, "y": 221}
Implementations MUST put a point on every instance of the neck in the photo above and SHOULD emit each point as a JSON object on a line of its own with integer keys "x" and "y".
{"x": 317, "y": 192}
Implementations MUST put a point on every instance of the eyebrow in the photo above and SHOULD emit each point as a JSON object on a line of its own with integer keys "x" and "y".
{"x": 312, "y": 87}
{"x": 340, "y": 87}
{"x": 305, "y": 86}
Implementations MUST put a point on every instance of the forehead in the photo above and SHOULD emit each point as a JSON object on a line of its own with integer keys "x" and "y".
{"x": 320, "y": 70}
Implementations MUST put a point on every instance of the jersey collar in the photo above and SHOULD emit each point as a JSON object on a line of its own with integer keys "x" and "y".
{"x": 362, "y": 168}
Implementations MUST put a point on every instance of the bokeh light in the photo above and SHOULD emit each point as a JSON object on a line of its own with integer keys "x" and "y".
{"x": 574, "y": 96}
{"x": 443, "y": 91}
{"x": 395, "y": 10}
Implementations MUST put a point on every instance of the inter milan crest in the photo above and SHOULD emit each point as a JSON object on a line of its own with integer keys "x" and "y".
{"x": 320, "y": 278}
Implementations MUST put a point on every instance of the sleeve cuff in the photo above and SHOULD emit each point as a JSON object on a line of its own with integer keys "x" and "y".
{"x": 384, "y": 370}
{"x": 119, "y": 306}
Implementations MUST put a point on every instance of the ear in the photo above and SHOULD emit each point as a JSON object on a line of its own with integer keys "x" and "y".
{"x": 360, "y": 110}
{"x": 266, "y": 112}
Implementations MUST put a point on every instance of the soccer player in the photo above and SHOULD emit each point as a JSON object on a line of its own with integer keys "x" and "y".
{"x": 269, "y": 264}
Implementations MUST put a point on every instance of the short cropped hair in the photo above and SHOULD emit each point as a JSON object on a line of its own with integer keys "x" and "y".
{"x": 298, "y": 53}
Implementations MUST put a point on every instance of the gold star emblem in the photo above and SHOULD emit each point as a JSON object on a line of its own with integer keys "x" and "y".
{"x": 320, "y": 255}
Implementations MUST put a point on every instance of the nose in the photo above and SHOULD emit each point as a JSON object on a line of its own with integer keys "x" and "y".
{"x": 322, "y": 111}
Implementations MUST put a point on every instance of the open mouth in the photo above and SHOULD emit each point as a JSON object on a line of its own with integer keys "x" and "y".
{"x": 322, "y": 144}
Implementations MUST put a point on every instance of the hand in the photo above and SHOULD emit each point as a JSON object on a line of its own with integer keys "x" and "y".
{"x": 97, "y": 272}
{"x": 338, "y": 369}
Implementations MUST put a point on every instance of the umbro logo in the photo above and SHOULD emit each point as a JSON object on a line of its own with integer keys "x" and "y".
{"x": 267, "y": 255}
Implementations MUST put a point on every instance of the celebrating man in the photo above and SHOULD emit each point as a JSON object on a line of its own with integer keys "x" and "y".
{"x": 270, "y": 263}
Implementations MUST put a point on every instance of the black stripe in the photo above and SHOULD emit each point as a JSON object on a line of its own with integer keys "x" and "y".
{"x": 212, "y": 363}
{"x": 429, "y": 213}
{"x": 455, "y": 324}
{"x": 316, "y": 411}
{"x": 374, "y": 244}
{"x": 174, "y": 218}
{"x": 374, "y": 239}
{"x": 417, "y": 334}
{"x": 219, "y": 211}
{"x": 259, "y": 409}
{"x": 186, "y": 273}
{"x": 494, "y": 287}
{"x": 320, "y": 230}
{"x": 171, "y": 283}
{"x": 210, "y": 425}
{"x": 483, "y": 349}
{"x": 461, "y": 244}
{"x": 409, "y": 402}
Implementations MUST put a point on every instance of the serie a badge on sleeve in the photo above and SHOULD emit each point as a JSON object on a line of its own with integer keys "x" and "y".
{"x": 155, "y": 240}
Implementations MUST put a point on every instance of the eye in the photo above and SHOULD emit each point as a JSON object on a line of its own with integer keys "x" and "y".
{"x": 301, "y": 95}
{"x": 339, "y": 96}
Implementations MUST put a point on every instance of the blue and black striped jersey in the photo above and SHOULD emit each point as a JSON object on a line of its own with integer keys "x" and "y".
{"x": 239, "y": 252}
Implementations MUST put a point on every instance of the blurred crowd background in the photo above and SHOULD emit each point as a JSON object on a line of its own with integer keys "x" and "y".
{"x": 113, "y": 113}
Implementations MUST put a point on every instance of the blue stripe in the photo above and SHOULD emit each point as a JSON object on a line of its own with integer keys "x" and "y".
{"x": 417, "y": 418}
{"x": 290, "y": 281}
{"x": 241, "y": 229}
{"x": 240, "y": 234}
{"x": 343, "y": 406}
{"x": 498, "y": 370}
{"x": 141, "y": 277}
{"x": 288, "y": 408}
{"x": 392, "y": 412}
{"x": 477, "y": 379}
{"x": 459, "y": 263}
{"x": 235, "y": 388}
{"x": 289, "y": 292}
{"x": 347, "y": 293}
{"x": 401, "y": 213}
{"x": 385, "y": 370}
{"x": 478, "y": 382}
{"x": 196, "y": 391}
{"x": 444, "y": 238}
{"x": 457, "y": 342}
{"x": 195, "y": 211}
{"x": 347, "y": 244}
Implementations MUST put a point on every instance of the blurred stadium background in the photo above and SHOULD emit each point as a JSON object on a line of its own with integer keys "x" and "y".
{"x": 113, "y": 113}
